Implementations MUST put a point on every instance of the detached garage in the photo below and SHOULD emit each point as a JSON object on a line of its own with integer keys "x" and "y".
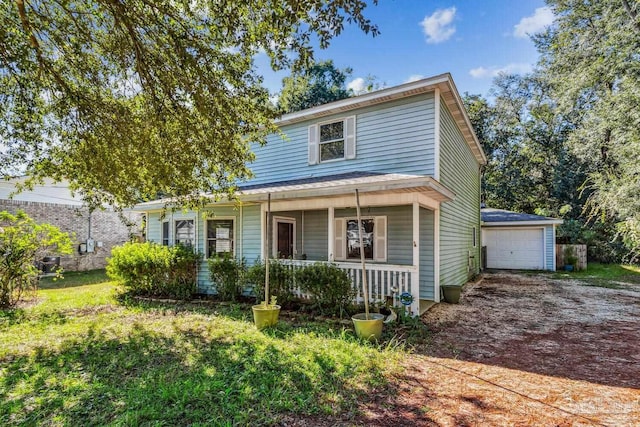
{"x": 518, "y": 241}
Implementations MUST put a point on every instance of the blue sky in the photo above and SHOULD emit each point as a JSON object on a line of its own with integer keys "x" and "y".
{"x": 471, "y": 39}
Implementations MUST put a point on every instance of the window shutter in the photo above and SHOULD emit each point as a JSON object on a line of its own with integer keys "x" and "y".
{"x": 340, "y": 240}
{"x": 380, "y": 239}
{"x": 350, "y": 138}
{"x": 313, "y": 144}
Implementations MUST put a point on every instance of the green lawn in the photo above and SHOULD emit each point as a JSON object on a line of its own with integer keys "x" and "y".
{"x": 604, "y": 275}
{"x": 78, "y": 357}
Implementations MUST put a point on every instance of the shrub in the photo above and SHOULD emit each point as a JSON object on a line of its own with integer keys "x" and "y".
{"x": 22, "y": 242}
{"x": 150, "y": 269}
{"x": 330, "y": 287}
{"x": 228, "y": 275}
{"x": 280, "y": 281}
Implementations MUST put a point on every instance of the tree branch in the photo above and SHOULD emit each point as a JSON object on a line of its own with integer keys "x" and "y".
{"x": 632, "y": 13}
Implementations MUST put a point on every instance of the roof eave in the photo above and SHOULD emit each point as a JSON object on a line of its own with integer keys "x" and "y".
{"x": 520, "y": 223}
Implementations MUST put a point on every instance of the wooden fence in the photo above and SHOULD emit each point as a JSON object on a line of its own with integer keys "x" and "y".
{"x": 579, "y": 251}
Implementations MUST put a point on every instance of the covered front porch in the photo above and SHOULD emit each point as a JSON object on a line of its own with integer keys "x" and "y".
{"x": 315, "y": 221}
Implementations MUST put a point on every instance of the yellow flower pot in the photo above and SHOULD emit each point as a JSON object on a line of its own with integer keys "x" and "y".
{"x": 370, "y": 329}
{"x": 265, "y": 316}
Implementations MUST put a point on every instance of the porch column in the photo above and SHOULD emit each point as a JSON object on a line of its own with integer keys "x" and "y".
{"x": 330, "y": 234}
{"x": 436, "y": 255}
{"x": 263, "y": 227}
{"x": 415, "y": 277}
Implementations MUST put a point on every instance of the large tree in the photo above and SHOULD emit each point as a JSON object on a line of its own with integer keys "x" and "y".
{"x": 318, "y": 84}
{"x": 591, "y": 56}
{"x": 127, "y": 100}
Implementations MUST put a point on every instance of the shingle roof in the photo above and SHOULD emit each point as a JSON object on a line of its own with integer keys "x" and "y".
{"x": 501, "y": 215}
{"x": 309, "y": 180}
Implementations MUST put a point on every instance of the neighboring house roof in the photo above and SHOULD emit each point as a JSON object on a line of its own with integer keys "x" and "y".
{"x": 332, "y": 185}
{"x": 47, "y": 192}
{"x": 500, "y": 217}
{"x": 443, "y": 82}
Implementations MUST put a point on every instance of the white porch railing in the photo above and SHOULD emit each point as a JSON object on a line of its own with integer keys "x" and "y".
{"x": 384, "y": 280}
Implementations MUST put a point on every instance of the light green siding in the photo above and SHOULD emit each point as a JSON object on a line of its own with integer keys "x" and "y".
{"x": 315, "y": 235}
{"x": 459, "y": 171}
{"x": 396, "y": 137}
{"x": 251, "y": 238}
{"x": 426, "y": 255}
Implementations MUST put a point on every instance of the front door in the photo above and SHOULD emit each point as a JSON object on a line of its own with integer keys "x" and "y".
{"x": 284, "y": 239}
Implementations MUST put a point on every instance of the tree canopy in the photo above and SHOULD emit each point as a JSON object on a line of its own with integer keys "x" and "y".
{"x": 132, "y": 99}
{"x": 591, "y": 58}
{"x": 318, "y": 84}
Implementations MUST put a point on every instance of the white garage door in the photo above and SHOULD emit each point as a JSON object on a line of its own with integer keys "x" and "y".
{"x": 515, "y": 248}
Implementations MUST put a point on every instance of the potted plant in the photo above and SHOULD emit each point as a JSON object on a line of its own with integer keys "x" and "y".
{"x": 367, "y": 325}
{"x": 451, "y": 293}
{"x": 266, "y": 313}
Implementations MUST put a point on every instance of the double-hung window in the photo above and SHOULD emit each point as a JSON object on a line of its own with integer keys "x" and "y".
{"x": 374, "y": 239}
{"x": 220, "y": 237}
{"x": 185, "y": 233}
{"x": 332, "y": 140}
{"x": 165, "y": 233}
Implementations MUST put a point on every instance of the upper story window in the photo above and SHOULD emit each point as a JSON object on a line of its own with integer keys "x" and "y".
{"x": 333, "y": 140}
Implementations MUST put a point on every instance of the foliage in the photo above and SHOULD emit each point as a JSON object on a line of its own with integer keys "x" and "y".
{"x": 79, "y": 358}
{"x": 150, "y": 269}
{"x": 330, "y": 287}
{"x": 590, "y": 56}
{"x": 22, "y": 242}
{"x": 281, "y": 281}
{"x": 229, "y": 276}
{"x": 319, "y": 84}
{"x": 614, "y": 276}
{"x": 128, "y": 100}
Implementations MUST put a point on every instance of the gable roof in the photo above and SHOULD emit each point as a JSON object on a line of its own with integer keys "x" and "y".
{"x": 443, "y": 82}
{"x": 495, "y": 217}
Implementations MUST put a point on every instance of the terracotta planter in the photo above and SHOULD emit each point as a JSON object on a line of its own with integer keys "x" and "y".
{"x": 451, "y": 293}
{"x": 368, "y": 329}
{"x": 265, "y": 316}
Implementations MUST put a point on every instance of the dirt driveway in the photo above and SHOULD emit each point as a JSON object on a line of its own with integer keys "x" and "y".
{"x": 524, "y": 350}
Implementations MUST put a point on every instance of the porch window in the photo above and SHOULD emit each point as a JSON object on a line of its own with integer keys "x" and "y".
{"x": 374, "y": 239}
{"x": 353, "y": 239}
{"x": 185, "y": 233}
{"x": 165, "y": 233}
{"x": 220, "y": 237}
{"x": 334, "y": 140}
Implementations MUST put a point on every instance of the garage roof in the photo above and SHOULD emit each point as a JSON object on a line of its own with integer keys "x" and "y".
{"x": 500, "y": 217}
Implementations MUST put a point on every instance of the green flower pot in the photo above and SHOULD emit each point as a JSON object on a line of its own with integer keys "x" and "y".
{"x": 368, "y": 329}
{"x": 451, "y": 293}
{"x": 265, "y": 316}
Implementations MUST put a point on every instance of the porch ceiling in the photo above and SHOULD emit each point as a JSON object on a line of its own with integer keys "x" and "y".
{"x": 346, "y": 184}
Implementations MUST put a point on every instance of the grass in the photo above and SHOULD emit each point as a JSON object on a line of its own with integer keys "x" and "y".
{"x": 78, "y": 357}
{"x": 614, "y": 276}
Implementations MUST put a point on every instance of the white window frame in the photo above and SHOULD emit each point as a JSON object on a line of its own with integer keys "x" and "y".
{"x": 162, "y": 237}
{"x": 343, "y": 139}
{"x": 206, "y": 234}
{"x": 286, "y": 220}
{"x": 342, "y": 239}
{"x": 348, "y": 140}
{"x": 195, "y": 230}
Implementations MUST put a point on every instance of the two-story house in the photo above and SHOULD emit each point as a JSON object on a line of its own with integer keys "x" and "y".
{"x": 411, "y": 152}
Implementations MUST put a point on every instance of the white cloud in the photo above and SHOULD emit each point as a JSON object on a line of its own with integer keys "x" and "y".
{"x": 414, "y": 78}
{"x": 357, "y": 85}
{"x": 438, "y": 26}
{"x": 541, "y": 18}
{"x": 512, "y": 68}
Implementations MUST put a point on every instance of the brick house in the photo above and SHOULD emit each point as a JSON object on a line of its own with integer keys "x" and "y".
{"x": 93, "y": 233}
